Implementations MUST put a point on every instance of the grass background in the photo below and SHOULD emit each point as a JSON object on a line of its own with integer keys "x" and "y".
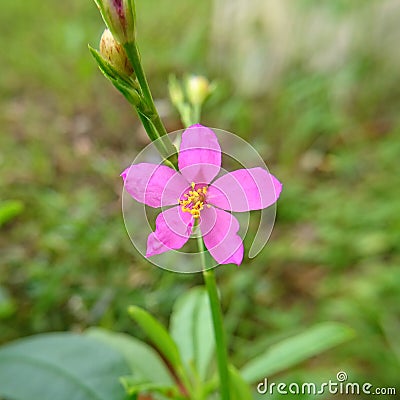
{"x": 312, "y": 85}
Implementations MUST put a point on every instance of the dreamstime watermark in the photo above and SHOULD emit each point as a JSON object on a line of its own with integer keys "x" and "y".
{"x": 340, "y": 386}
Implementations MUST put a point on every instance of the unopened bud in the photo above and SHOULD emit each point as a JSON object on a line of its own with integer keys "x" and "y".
{"x": 198, "y": 89}
{"x": 175, "y": 91}
{"x": 115, "y": 54}
{"x": 119, "y": 16}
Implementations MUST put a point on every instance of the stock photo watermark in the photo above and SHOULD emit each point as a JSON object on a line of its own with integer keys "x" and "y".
{"x": 340, "y": 386}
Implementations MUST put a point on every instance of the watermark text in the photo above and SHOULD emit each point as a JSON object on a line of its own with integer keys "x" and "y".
{"x": 339, "y": 386}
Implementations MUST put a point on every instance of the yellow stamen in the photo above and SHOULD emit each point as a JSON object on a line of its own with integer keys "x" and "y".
{"x": 194, "y": 200}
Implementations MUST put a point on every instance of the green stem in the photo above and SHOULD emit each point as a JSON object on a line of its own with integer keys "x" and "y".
{"x": 216, "y": 312}
{"x": 196, "y": 112}
{"x": 133, "y": 54}
{"x": 134, "y": 57}
{"x": 152, "y": 133}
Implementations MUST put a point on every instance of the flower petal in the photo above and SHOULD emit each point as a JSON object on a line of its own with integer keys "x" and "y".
{"x": 219, "y": 230}
{"x": 154, "y": 185}
{"x": 173, "y": 229}
{"x": 244, "y": 190}
{"x": 199, "y": 157}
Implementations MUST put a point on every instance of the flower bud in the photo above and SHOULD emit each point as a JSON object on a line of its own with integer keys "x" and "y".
{"x": 198, "y": 88}
{"x": 119, "y": 16}
{"x": 115, "y": 54}
{"x": 175, "y": 91}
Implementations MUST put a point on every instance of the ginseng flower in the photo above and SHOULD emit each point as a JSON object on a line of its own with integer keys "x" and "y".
{"x": 192, "y": 196}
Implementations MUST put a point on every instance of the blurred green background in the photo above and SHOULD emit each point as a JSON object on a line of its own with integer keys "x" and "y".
{"x": 313, "y": 85}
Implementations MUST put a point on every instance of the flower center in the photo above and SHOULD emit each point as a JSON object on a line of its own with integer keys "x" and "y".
{"x": 194, "y": 200}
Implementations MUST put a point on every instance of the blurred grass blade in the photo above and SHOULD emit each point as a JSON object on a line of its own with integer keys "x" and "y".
{"x": 296, "y": 349}
{"x": 191, "y": 328}
{"x": 62, "y": 366}
{"x": 7, "y": 304}
{"x": 146, "y": 365}
{"x": 9, "y": 210}
{"x": 240, "y": 389}
{"x": 157, "y": 334}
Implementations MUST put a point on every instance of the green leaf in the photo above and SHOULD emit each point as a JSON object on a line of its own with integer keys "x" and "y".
{"x": 9, "y": 210}
{"x": 191, "y": 328}
{"x": 133, "y": 387}
{"x": 296, "y": 349}
{"x": 123, "y": 84}
{"x": 146, "y": 365}
{"x": 108, "y": 70}
{"x": 157, "y": 334}
{"x": 62, "y": 366}
{"x": 239, "y": 388}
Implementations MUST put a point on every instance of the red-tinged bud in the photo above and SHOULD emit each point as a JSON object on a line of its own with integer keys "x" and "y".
{"x": 115, "y": 54}
{"x": 119, "y": 16}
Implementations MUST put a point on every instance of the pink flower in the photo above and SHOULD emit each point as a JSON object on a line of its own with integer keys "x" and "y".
{"x": 192, "y": 195}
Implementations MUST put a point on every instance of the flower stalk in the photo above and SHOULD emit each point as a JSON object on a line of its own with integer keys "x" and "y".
{"x": 215, "y": 305}
{"x": 154, "y": 124}
{"x": 218, "y": 324}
